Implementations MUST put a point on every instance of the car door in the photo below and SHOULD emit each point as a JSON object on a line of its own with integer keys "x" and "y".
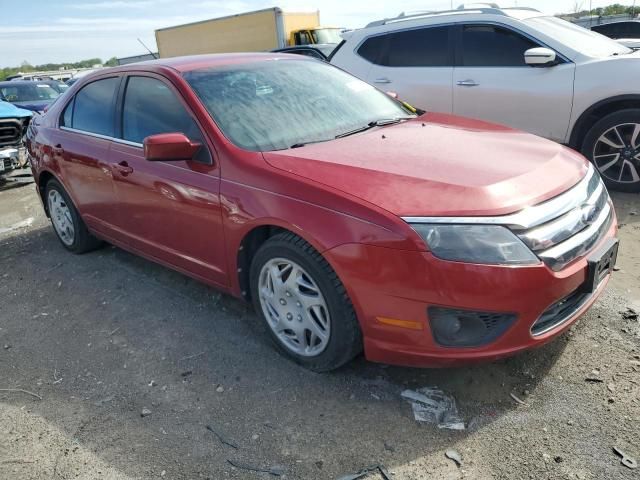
{"x": 81, "y": 148}
{"x": 492, "y": 82}
{"x": 417, "y": 64}
{"x": 168, "y": 210}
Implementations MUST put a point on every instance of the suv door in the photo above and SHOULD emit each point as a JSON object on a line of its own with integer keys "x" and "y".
{"x": 493, "y": 82}
{"x": 81, "y": 147}
{"x": 169, "y": 210}
{"x": 417, "y": 64}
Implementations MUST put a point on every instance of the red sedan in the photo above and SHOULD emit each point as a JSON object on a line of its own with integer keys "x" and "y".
{"x": 349, "y": 219}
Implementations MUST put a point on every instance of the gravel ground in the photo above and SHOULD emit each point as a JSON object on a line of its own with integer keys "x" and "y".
{"x": 103, "y": 338}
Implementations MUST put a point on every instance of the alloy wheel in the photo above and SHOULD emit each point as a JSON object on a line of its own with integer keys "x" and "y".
{"x": 61, "y": 217}
{"x": 294, "y": 307}
{"x": 616, "y": 153}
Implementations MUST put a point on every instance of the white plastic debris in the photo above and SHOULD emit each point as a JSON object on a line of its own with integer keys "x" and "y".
{"x": 432, "y": 405}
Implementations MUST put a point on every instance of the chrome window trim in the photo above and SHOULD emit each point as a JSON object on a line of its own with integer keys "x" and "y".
{"x": 103, "y": 137}
{"x": 528, "y": 217}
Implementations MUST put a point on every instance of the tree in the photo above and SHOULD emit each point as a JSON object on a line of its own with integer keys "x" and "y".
{"x": 112, "y": 62}
{"x": 26, "y": 66}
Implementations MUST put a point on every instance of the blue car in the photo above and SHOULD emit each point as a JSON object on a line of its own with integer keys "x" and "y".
{"x": 27, "y": 94}
{"x": 13, "y": 126}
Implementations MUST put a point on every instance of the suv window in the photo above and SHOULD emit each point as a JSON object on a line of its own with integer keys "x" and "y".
{"x": 151, "y": 107}
{"x": 94, "y": 107}
{"x": 420, "y": 47}
{"x": 619, "y": 29}
{"x": 493, "y": 46}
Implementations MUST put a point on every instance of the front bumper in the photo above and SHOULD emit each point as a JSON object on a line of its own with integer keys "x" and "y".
{"x": 11, "y": 158}
{"x": 399, "y": 284}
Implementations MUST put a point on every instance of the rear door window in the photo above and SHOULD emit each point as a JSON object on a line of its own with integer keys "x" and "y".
{"x": 94, "y": 107}
{"x": 493, "y": 46}
{"x": 420, "y": 47}
{"x": 151, "y": 107}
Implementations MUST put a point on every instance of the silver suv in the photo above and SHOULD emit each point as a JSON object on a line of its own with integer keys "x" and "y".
{"x": 517, "y": 67}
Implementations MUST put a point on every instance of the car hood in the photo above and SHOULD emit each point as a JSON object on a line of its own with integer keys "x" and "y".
{"x": 439, "y": 165}
{"x": 35, "y": 105}
{"x": 8, "y": 110}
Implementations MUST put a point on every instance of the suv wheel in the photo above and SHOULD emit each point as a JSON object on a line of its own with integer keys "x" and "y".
{"x": 613, "y": 145}
{"x": 66, "y": 221}
{"x": 304, "y": 304}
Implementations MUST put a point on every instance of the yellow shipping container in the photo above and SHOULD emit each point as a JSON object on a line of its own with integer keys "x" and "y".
{"x": 257, "y": 31}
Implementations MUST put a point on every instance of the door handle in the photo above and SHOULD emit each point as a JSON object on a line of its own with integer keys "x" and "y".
{"x": 57, "y": 150}
{"x": 467, "y": 83}
{"x": 124, "y": 168}
{"x": 382, "y": 80}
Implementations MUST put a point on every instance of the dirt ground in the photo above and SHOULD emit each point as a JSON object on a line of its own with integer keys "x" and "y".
{"x": 103, "y": 336}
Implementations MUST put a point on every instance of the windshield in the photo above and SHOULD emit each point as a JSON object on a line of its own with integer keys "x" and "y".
{"x": 273, "y": 105}
{"x": 326, "y": 35}
{"x": 577, "y": 38}
{"x": 28, "y": 92}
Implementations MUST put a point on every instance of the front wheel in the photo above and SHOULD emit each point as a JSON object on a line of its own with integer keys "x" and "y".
{"x": 304, "y": 304}
{"x": 613, "y": 146}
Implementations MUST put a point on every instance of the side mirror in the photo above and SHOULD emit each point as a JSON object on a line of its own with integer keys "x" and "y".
{"x": 169, "y": 147}
{"x": 540, "y": 57}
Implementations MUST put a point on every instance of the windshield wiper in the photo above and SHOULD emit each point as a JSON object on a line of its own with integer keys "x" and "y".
{"x": 375, "y": 123}
{"x": 370, "y": 125}
{"x": 302, "y": 144}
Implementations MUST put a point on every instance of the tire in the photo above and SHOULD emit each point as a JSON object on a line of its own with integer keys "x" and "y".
{"x": 333, "y": 315}
{"x": 613, "y": 146}
{"x": 63, "y": 213}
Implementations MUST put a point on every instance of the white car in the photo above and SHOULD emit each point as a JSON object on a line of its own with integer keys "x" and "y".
{"x": 516, "y": 67}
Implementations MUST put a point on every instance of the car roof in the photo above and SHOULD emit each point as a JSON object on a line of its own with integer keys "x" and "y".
{"x": 519, "y": 13}
{"x": 197, "y": 62}
{"x": 22, "y": 82}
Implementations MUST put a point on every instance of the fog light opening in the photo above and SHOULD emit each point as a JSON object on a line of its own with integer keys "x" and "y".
{"x": 467, "y": 328}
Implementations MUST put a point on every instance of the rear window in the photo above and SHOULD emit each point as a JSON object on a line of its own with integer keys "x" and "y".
{"x": 94, "y": 107}
{"x": 420, "y": 47}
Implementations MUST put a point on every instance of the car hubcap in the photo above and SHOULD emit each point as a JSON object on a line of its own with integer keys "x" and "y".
{"x": 617, "y": 153}
{"x": 294, "y": 307}
{"x": 61, "y": 217}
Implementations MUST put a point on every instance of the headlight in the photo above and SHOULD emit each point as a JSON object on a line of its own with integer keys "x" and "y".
{"x": 490, "y": 244}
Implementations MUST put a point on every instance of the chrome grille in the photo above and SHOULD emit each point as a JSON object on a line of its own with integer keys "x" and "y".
{"x": 558, "y": 230}
{"x": 11, "y": 130}
{"x": 573, "y": 229}
{"x": 559, "y": 312}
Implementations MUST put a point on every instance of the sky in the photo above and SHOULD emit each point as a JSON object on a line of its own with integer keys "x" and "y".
{"x": 43, "y": 31}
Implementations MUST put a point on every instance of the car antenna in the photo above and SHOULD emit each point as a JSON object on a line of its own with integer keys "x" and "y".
{"x": 148, "y": 49}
